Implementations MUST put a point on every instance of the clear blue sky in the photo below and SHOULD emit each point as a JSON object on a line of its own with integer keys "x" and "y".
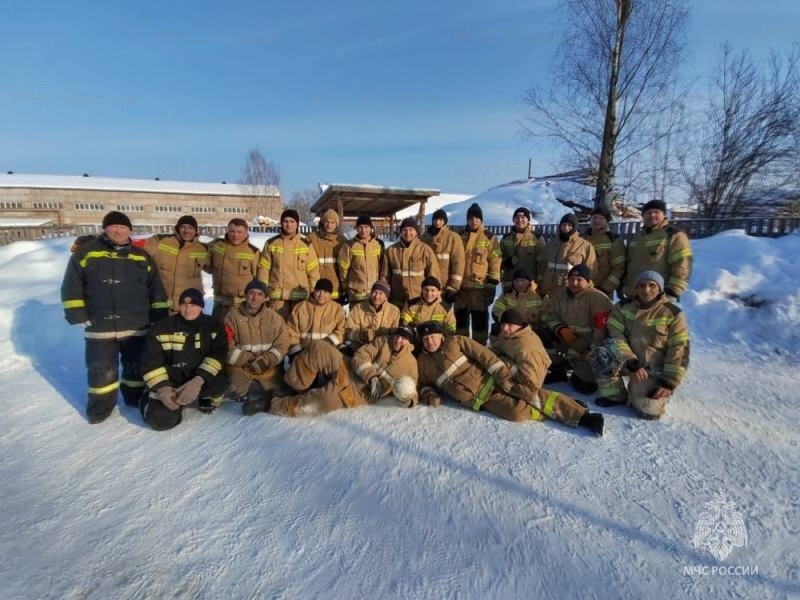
{"x": 413, "y": 93}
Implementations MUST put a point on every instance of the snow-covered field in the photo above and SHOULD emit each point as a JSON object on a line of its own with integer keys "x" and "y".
{"x": 385, "y": 502}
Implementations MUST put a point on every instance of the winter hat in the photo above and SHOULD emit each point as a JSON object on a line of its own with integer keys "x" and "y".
{"x": 475, "y": 211}
{"x": 521, "y": 273}
{"x": 513, "y": 317}
{"x": 406, "y": 331}
{"x": 651, "y": 276}
{"x": 325, "y": 285}
{"x": 429, "y": 327}
{"x": 525, "y": 212}
{"x": 256, "y": 284}
{"x": 193, "y": 296}
{"x": 330, "y": 214}
{"x": 408, "y": 222}
{"x": 430, "y": 280}
{"x": 364, "y": 220}
{"x": 580, "y": 270}
{"x": 382, "y": 286}
{"x": 290, "y": 213}
{"x": 603, "y": 212}
{"x": 570, "y": 218}
{"x": 117, "y": 218}
{"x": 655, "y": 204}
{"x": 439, "y": 214}
{"x": 187, "y": 220}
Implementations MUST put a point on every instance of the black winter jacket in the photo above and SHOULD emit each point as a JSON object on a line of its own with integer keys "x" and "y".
{"x": 116, "y": 288}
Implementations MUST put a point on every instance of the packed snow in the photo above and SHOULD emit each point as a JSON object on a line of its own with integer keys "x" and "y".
{"x": 386, "y": 502}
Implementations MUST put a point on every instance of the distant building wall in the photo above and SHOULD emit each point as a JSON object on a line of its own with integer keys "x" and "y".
{"x": 85, "y": 207}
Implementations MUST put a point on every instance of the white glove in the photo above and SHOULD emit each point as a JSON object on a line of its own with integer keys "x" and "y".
{"x": 189, "y": 391}
{"x": 166, "y": 395}
{"x": 375, "y": 392}
{"x": 85, "y": 324}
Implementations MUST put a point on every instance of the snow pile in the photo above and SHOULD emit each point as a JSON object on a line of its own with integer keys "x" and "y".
{"x": 498, "y": 203}
{"x": 385, "y": 502}
{"x": 746, "y": 289}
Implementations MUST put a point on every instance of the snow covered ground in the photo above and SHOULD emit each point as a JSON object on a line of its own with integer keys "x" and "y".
{"x": 384, "y": 502}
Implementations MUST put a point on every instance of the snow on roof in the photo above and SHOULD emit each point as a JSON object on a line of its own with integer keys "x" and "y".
{"x": 78, "y": 182}
{"x": 18, "y": 222}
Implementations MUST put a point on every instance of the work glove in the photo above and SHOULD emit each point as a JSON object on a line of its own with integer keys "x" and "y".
{"x": 429, "y": 396}
{"x": 450, "y": 296}
{"x": 258, "y": 365}
{"x": 365, "y": 336}
{"x": 375, "y": 391}
{"x": 659, "y": 393}
{"x": 494, "y": 329}
{"x": 566, "y": 335}
{"x": 166, "y": 395}
{"x": 85, "y": 324}
{"x": 189, "y": 391}
{"x": 505, "y": 384}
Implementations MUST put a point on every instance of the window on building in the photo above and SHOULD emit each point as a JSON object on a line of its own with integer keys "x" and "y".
{"x": 48, "y": 205}
{"x": 235, "y": 210}
{"x": 11, "y": 205}
{"x": 167, "y": 209}
{"x": 130, "y": 207}
{"x": 89, "y": 206}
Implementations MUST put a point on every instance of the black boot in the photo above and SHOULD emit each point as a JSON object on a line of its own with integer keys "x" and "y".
{"x": 594, "y": 422}
{"x": 606, "y": 402}
{"x": 206, "y": 405}
{"x": 556, "y": 373}
{"x": 257, "y": 405}
{"x": 582, "y": 386}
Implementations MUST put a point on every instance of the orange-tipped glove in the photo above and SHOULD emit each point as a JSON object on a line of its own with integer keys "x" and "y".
{"x": 567, "y": 335}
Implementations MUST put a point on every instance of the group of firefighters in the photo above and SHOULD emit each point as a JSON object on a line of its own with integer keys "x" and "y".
{"x": 279, "y": 339}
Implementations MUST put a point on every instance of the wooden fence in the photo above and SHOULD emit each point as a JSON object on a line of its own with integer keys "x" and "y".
{"x": 694, "y": 228}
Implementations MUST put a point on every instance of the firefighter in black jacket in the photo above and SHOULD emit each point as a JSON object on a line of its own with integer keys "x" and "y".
{"x": 183, "y": 363}
{"x": 112, "y": 289}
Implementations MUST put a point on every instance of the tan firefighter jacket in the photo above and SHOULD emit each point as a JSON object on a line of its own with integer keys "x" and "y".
{"x": 377, "y": 359}
{"x": 363, "y": 316}
{"x": 526, "y": 356}
{"x": 585, "y": 313}
{"x": 360, "y": 266}
{"x": 483, "y": 259}
{"x": 462, "y": 368}
{"x": 449, "y": 252}
{"x": 232, "y": 268}
{"x": 657, "y": 336}
{"x": 529, "y": 305}
{"x": 322, "y": 360}
{"x": 327, "y": 246}
{"x": 251, "y": 336}
{"x": 418, "y": 311}
{"x": 180, "y": 264}
{"x": 311, "y": 321}
{"x": 609, "y": 249}
{"x": 558, "y": 258}
{"x": 663, "y": 249}
{"x": 289, "y": 267}
{"x": 520, "y": 250}
{"x": 406, "y": 267}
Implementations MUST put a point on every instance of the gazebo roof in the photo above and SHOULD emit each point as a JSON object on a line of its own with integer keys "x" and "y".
{"x": 372, "y": 200}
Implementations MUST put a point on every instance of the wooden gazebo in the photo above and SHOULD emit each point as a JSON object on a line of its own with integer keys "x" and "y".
{"x": 380, "y": 203}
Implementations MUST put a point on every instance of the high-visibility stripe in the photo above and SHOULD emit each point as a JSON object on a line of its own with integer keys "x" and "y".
{"x": 198, "y": 254}
{"x": 408, "y": 273}
{"x": 536, "y": 415}
{"x": 276, "y": 353}
{"x": 111, "y": 255}
{"x": 171, "y": 337}
{"x": 211, "y": 365}
{"x": 679, "y": 254}
{"x": 656, "y": 321}
{"x": 244, "y": 256}
{"x": 105, "y": 389}
{"x": 335, "y": 339}
{"x": 678, "y": 338}
{"x": 168, "y": 249}
{"x": 74, "y": 303}
{"x": 163, "y": 304}
{"x": 496, "y": 367}
{"x": 450, "y": 370}
{"x": 443, "y": 255}
{"x": 132, "y": 383}
{"x": 156, "y": 376}
{"x": 549, "y": 403}
{"x": 364, "y": 367}
{"x": 325, "y": 260}
{"x": 113, "y": 335}
{"x": 483, "y": 394}
{"x": 233, "y": 356}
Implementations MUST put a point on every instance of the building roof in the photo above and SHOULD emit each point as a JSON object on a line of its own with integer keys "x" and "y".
{"x": 78, "y": 182}
{"x": 372, "y": 200}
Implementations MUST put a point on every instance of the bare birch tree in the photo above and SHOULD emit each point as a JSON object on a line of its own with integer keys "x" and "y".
{"x": 746, "y": 147}
{"x": 261, "y": 181}
{"x": 615, "y": 64}
{"x": 302, "y": 201}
